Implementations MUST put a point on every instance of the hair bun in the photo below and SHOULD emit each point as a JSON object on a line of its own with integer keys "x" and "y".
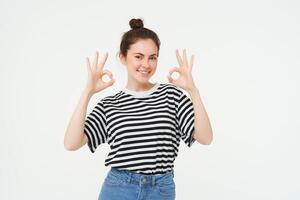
{"x": 136, "y": 23}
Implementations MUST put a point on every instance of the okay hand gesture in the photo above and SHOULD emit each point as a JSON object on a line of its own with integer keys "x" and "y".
{"x": 95, "y": 73}
{"x": 185, "y": 79}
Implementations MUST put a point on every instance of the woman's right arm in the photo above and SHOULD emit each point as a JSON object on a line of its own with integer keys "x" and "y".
{"x": 74, "y": 136}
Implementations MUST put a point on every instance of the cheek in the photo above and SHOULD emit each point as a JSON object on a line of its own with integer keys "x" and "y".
{"x": 133, "y": 65}
{"x": 153, "y": 64}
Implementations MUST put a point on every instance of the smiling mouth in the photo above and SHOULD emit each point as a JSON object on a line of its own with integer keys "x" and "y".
{"x": 143, "y": 72}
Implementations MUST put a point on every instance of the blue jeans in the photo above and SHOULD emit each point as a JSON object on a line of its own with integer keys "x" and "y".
{"x": 128, "y": 185}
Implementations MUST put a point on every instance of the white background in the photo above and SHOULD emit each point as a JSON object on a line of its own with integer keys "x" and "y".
{"x": 246, "y": 68}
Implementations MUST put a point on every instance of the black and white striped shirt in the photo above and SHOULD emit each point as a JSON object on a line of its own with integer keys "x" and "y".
{"x": 143, "y": 129}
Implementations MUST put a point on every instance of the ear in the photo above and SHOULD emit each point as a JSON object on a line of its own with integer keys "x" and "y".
{"x": 122, "y": 59}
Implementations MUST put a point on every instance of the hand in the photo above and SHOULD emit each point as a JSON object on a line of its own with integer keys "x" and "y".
{"x": 95, "y": 73}
{"x": 185, "y": 79}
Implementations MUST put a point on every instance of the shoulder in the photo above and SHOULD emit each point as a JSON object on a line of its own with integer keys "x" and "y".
{"x": 172, "y": 89}
{"x": 111, "y": 99}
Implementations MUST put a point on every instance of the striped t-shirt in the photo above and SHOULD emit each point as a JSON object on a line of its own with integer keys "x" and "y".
{"x": 143, "y": 129}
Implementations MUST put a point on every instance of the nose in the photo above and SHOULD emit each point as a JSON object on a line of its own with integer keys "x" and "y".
{"x": 145, "y": 63}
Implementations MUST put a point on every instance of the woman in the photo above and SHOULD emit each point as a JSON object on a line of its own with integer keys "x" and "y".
{"x": 143, "y": 123}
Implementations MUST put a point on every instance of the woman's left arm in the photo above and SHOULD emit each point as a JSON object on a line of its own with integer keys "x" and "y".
{"x": 203, "y": 131}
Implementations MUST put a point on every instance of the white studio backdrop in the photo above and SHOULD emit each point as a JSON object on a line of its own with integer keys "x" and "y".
{"x": 246, "y": 68}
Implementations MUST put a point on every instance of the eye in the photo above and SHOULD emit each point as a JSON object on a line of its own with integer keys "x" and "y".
{"x": 153, "y": 58}
{"x": 138, "y": 57}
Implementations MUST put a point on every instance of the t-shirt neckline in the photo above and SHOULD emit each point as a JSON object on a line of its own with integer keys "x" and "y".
{"x": 141, "y": 93}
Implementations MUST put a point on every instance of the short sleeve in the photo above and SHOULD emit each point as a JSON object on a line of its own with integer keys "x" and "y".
{"x": 186, "y": 118}
{"x": 95, "y": 127}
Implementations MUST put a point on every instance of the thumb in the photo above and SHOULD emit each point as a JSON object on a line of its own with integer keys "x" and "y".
{"x": 170, "y": 79}
{"x": 111, "y": 82}
{"x": 173, "y": 69}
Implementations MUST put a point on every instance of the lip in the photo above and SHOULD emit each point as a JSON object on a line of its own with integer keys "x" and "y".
{"x": 148, "y": 72}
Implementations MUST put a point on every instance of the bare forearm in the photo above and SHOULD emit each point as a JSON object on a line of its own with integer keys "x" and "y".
{"x": 74, "y": 133}
{"x": 203, "y": 131}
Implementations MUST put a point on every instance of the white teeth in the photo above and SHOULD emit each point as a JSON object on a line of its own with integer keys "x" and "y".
{"x": 144, "y": 72}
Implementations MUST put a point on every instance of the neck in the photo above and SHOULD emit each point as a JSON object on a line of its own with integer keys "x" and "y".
{"x": 137, "y": 86}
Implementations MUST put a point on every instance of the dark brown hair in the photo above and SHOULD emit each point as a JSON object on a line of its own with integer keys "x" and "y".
{"x": 138, "y": 31}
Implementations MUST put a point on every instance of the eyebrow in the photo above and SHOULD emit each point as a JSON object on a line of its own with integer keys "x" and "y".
{"x": 143, "y": 54}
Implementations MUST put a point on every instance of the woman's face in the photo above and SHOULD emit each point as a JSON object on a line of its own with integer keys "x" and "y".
{"x": 141, "y": 60}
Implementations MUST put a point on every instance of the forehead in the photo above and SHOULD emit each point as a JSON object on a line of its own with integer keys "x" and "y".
{"x": 143, "y": 46}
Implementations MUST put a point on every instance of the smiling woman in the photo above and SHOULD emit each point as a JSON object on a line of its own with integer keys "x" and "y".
{"x": 141, "y": 62}
{"x": 139, "y": 50}
{"x": 143, "y": 123}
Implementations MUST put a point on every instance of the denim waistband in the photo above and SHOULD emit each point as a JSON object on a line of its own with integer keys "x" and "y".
{"x": 141, "y": 179}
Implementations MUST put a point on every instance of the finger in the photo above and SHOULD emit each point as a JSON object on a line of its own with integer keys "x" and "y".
{"x": 88, "y": 65}
{"x": 170, "y": 79}
{"x": 96, "y": 60}
{"x": 184, "y": 58}
{"x": 110, "y": 75}
{"x": 111, "y": 82}
{"x": 107, "y": 72}
{"x": 174, "y": 69}
{"x": 178, "y": 58}
{"x": 104, "y": 60}
{"x": 88, "y": 62}
{"x": 192, "y": 62}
